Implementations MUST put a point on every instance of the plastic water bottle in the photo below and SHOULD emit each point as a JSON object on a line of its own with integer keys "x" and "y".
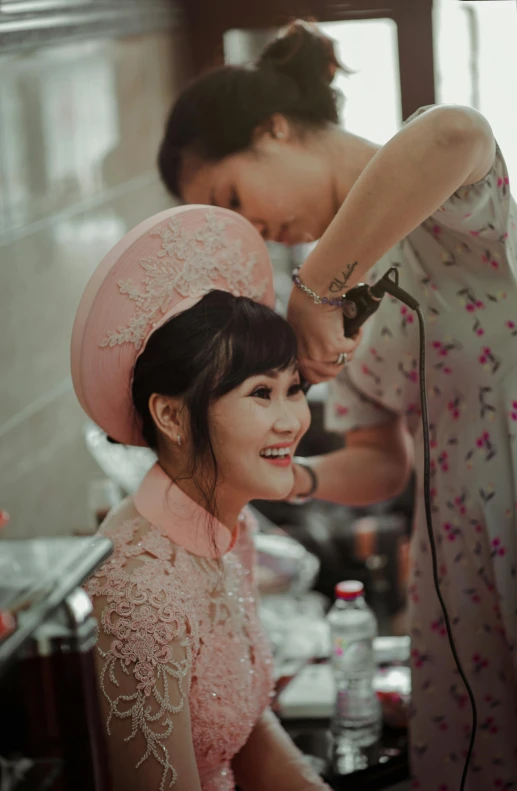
{"x": 353, "y": 626}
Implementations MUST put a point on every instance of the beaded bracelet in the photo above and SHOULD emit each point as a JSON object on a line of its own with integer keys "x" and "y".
{"x": 338, "y": 303}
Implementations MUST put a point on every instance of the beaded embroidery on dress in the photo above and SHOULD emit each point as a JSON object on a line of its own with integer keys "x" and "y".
{"x": 179, "y": 633}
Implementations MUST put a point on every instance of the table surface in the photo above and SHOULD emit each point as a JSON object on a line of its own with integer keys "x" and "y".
{"x": 380, "y": 766}
{"x": 46, "y": 571}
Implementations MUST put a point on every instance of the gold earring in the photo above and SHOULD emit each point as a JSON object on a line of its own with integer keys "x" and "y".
{"x": 179, "y": 440}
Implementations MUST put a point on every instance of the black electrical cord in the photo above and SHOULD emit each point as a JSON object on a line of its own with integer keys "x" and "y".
{"x": 366, "y": 300}
{"x": 394, "y": 289}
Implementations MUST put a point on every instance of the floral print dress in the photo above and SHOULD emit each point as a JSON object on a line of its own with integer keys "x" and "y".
{"x": 461, "y": 265}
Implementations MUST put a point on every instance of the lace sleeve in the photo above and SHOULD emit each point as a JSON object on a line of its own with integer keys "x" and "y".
{"x": 145, "y": 649}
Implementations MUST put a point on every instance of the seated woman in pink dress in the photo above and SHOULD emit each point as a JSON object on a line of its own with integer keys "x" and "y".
{"x": 176, "y": 346}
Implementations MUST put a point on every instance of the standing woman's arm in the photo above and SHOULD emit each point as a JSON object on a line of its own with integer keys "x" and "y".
{"x": 408, "y": 179}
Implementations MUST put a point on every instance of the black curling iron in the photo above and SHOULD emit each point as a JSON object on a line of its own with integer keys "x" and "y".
{"x": 362, "y": 301}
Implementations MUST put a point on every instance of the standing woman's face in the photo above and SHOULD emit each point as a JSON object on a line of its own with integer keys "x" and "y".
{"x": 283, "y": 187}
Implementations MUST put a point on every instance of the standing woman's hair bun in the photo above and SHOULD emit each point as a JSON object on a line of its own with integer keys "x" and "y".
{"x": 218, "y": 114}
{"x": 307, "y": 57}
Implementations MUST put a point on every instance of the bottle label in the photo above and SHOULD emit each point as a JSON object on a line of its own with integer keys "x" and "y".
{"x": 357, "y": 702}
{"x": 356, "y": 653}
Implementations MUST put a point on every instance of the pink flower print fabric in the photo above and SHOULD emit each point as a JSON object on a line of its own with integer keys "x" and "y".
{"x": 461, "y": 266}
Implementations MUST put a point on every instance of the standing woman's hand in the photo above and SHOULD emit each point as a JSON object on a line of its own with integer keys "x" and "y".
{"x": 321, "y": 339}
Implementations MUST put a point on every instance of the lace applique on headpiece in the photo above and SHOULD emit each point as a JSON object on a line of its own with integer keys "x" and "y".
{"x": 188, "y": 264}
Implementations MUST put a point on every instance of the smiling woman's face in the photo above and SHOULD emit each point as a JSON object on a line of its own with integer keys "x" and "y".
{"x": 283, "y": 187}
{"x": 255, "y": 431}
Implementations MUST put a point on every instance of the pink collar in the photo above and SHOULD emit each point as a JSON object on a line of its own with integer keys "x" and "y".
{"x": 187, "y": 524}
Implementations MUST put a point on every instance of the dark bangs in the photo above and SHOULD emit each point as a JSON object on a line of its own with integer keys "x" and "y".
{"x": 256, "y": 340}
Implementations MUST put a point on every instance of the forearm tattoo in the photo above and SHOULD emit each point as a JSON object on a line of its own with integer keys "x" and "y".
{"x": 340, "y": 283}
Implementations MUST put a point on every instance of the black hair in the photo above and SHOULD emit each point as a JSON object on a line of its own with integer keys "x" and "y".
{"x": 202, "y": 354}
{"x": 217, "y": 114}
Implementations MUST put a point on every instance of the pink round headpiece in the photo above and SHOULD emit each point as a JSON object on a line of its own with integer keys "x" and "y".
{"x": 159, "y": 269}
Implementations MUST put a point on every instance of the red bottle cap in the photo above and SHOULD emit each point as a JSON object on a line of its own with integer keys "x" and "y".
{"x": 349, "y": 590}
{"x": 7, "y": 623}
